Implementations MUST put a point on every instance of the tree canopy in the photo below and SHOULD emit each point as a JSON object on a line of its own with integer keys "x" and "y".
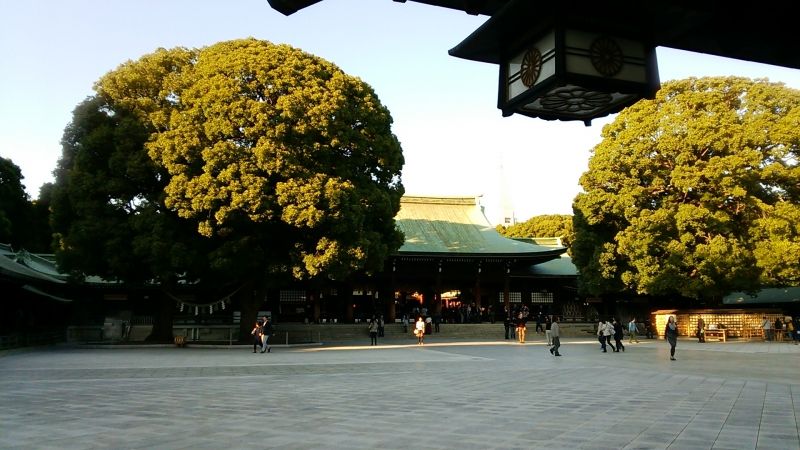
{"x": 694, "y": 193}
{"x": 548, "y": 225}
{"x": 13, "y": 200}
{"x": 232, "y": 161}
{"x": 23, "y": 223}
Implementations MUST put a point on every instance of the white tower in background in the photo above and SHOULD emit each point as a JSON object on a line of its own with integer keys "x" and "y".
{"x": 506, "y": 205}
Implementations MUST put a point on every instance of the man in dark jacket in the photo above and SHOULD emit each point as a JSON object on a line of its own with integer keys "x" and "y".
{"x": 265, "y": 334}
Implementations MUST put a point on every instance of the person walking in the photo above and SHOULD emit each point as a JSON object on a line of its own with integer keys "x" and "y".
{"x": 778, "y": 329}
{"x": 766, "y": 325}
{"x": 419, "y": 331}
{"x": 671, "y": 335}
{"x": 548, "y": 323}
{"x": 373, "y": 331}
{"x": 701, "y": 330}
{"x": 608, "y": 332}
{"x": 266, "y": 332}
{"x": 539, "y": 327}
{"x": 256, "y": 333}
{"x": 600, "y": 336}
{"x": 618, "y": 335}
{"x": 555, "y": 335}
{"x": 791, "y": 330}
{"x": 405, "y": 323}
{"x": 632, "y": 331}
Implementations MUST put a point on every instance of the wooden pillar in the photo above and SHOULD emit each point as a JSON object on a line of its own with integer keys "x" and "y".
{"x": 391, "y": 310}
{"x": 391, "y": 314}
{"x": 506, "y": 283}
{"x": 437, "y": 295}
{"x": 315, "y": 305}
{"x": 273, "y": 300}
{"x": 477, "y": 289}
{"x": 347, "y": 295}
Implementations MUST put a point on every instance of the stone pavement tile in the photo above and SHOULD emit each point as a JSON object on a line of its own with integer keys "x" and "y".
{"x": 329, "y": 400}
{"x": 746, "y": 437}
{"x": 705, "y": 434}
{"x": 645, "y": 445}
{"x": 770, "y": 443}
{"x": 656, "y": 435}
{"x": 780, "y": 434}
{"x": 706, "y": 425}
{"x": 743, "y": 420}
{"x": 734, "y": 432}
{"x": 691, "y": 444}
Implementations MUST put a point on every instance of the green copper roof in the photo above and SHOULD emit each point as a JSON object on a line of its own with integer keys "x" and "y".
{"x": 769, "y": 295}
{"x": 456, "y": 225}
{"x": 559, "y": 267}
{"x": 16, "y": 267}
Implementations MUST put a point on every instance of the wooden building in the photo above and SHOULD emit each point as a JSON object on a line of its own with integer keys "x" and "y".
{"x": 453, "y": 257}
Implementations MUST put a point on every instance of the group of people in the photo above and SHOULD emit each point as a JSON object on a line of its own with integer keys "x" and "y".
{"x": 376, "y": 327}
{"x": 261, "y": 333}
{"x": 775, "y": 330}
{"x": 611, "y": 328}
{"x": 516, "y": 323}
{"x": 422, "y": 326}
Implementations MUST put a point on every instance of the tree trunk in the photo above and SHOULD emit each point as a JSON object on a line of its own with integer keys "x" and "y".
{"x": 250, "y": 300}
{"x": 163, "y": 312}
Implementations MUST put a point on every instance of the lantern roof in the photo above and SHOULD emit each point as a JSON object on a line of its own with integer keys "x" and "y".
{"x": 763, "y": 33}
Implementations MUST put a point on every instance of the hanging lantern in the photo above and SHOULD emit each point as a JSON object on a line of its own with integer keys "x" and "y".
{"x": 556, "y": 65}
{"x": 569, "y": 74}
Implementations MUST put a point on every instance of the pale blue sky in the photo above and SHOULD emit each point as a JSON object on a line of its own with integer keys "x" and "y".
{"x": 454, "y": 138}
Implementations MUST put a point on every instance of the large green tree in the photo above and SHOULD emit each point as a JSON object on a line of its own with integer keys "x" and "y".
{"x": 108, "y": 211}
{"x": 23, "y": 223}
{"x": 694, "y": 193}
{"x": 281, "y": 164}
{"x": 13, "y": 202}
{"x": 548, "y": 225}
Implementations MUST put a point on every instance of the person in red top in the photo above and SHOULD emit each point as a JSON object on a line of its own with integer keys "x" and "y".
{"x": 256, "y": 332}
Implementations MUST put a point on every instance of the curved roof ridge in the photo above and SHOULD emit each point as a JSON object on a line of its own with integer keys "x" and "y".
{"x": 441, "y": 199}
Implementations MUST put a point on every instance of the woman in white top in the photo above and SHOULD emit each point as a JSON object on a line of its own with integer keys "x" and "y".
{"x": 600, "y": 336}
{"x": 608, "y": 332}
{"x": 419, "y": 330}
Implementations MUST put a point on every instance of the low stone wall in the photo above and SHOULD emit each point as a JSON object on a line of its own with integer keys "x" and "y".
{"x": 483, "y": 331}
{"x": 297, "y": 333}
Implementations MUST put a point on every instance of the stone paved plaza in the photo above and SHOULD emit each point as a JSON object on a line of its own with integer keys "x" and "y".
{"x": 444, "y": 395}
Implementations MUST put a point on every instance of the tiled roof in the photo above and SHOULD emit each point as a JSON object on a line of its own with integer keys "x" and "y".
{"x": 768, "y": 295}
{"x": 16, "y": 267}
{"x": 456, "y": 225}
